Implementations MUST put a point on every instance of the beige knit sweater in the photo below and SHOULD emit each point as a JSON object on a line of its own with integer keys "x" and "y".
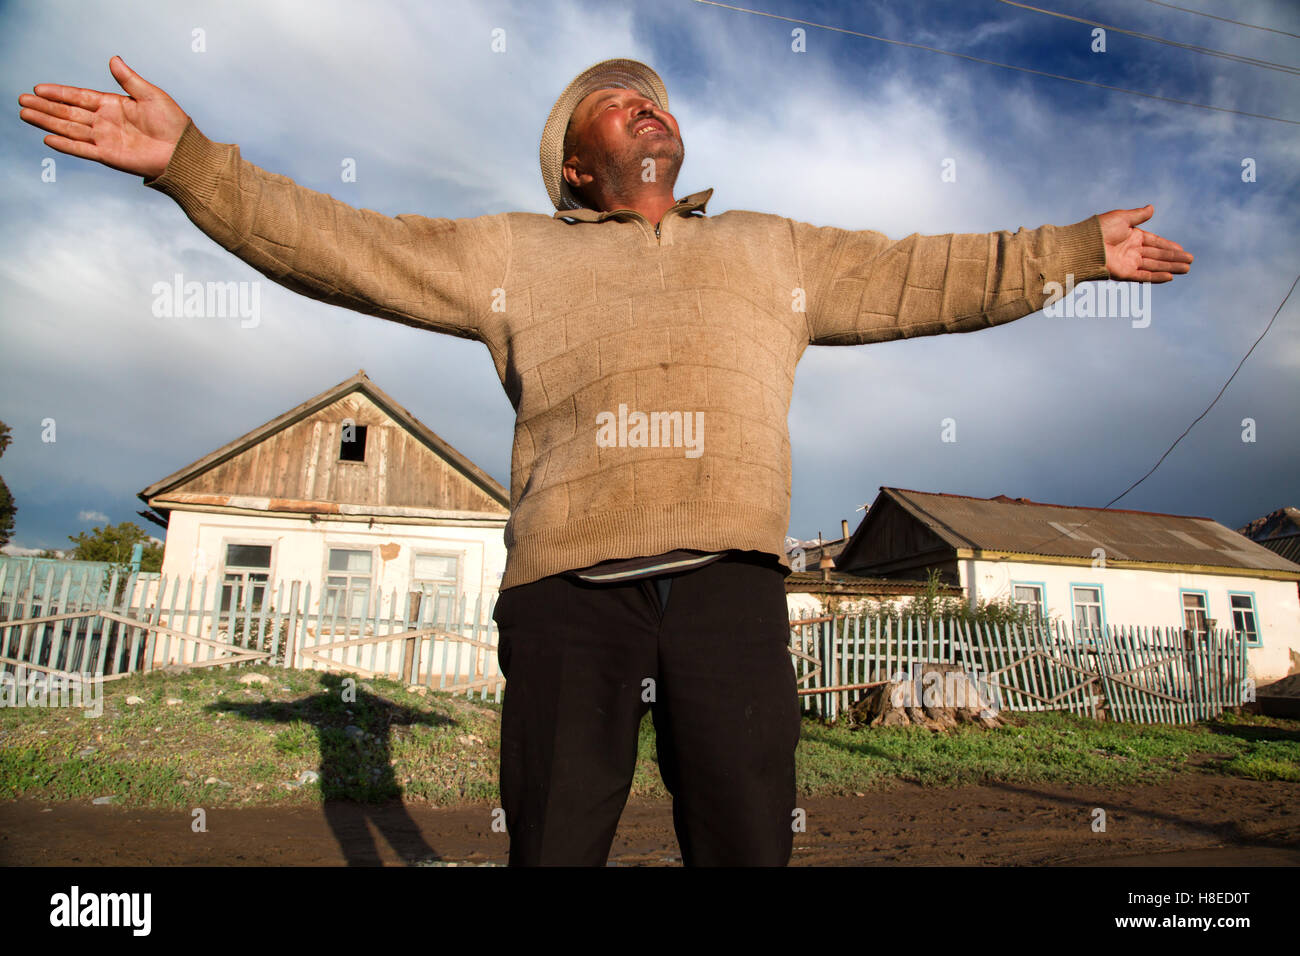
{"x": 650, "y": 369}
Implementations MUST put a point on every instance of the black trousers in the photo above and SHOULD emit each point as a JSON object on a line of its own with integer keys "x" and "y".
{"x": 710, "y": 660}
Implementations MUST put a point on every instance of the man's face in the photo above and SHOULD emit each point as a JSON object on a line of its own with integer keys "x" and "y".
{"x": 613, "y": 132}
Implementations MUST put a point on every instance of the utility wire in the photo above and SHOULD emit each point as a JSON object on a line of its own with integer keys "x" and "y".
{"x": 1236, "y": 57}
{"x": 1023, "y": 69}
{"x": 1199, "y": 13}
{"x": 1005, "y": 66}
{"x": 1186, "y": 431}
{"x": 1213, "y": 403}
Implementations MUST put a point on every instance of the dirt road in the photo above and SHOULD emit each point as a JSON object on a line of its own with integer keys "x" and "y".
{"x": 1197, "y": 820}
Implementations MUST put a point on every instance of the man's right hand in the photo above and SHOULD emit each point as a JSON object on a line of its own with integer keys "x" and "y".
{"x": 136, "y": 133}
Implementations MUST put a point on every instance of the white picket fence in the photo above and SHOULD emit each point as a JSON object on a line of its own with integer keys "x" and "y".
{"x": 56, "y": 622}
{"x": 142, "y": 621}
{"x": 1128, "y": 673}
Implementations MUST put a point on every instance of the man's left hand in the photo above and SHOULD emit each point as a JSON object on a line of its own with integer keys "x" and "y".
{"x": 1136, "y": 255}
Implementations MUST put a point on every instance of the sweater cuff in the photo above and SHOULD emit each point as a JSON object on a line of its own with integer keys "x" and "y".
{"x": 193, "y": 171}
{"x": 1082, "y": 251}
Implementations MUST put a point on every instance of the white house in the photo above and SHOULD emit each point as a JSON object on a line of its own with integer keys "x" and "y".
{"x": 1090, "y": 566}
{"x": 347, "y": 491}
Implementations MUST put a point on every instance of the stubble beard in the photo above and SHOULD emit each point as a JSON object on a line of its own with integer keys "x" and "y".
{"x": 624, "y": 173}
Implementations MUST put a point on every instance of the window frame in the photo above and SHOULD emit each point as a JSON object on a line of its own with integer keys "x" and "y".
{"x": 1074, "y": 605}
{"x": 417, "y": 610}
{"x": 362, "y": 433}
{"x": 1254, "y": 610}
{"x": 328, "y": 608}
{"x": 1183, "y": 609}
{"x": 226, "y": 608}
{"x": 1042, "y": 596}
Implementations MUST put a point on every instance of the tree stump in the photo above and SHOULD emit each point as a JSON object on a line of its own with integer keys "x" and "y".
{"x": 933, "y": 695}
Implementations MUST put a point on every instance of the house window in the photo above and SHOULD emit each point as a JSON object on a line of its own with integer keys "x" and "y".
{"x": 434, "y": 576}
{"x": 248, "y": 569}
{"x": 1195, "y": 613}
{"x": 1244, "y": 620}
{"x": 1087, "y": 610}
{"x": 352, "y": 446}
{"x": 1031, "y": 596}
{"x": 347, "y": 586}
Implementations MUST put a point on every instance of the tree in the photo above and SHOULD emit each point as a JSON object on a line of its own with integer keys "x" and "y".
{"x": 7, "y": 507}
{"x": 113, "y": 543}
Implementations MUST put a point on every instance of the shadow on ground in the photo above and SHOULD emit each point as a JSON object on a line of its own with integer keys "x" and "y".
{"x": 359, "y": 790}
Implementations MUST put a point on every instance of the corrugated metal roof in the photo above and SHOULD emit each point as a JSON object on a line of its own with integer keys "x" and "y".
{"x": 1288, "y": 547}
{"x": 1279, "y": 531}
{"x": 1276, "y": 524}
{"x": 1030, "y": 527}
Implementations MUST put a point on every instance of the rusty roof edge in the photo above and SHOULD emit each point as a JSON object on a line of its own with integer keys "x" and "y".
{"x": 303, "y": 506}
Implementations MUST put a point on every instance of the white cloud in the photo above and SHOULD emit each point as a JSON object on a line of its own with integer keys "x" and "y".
{"x": 850, "y": 134}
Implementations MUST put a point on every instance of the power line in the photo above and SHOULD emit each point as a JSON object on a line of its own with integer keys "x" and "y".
{"x": 1223, "y": 19}
{"x": 1186, "y": 431}
{"x": 1213, "y": 403}
{"x": 1023, "y": 69}
{"x": 1207, "y": 51}
{"x": 1005, "y": 66}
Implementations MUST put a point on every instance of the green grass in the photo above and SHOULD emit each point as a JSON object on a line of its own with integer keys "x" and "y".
{"x": 229, "y": 744}
{"x": 1055, "y": 748}
{"x": 226, "y": 744}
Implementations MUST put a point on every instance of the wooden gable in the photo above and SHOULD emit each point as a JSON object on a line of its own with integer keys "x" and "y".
{"x": 892, "y": 543}
{"x": 302, "y": 462}
{"x": 298, "y": 460}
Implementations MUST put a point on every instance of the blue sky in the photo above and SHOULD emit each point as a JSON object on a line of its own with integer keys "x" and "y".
{"x": 850, "y": 133}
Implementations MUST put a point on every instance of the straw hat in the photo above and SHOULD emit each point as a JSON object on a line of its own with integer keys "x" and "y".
{"x": 626, "y": 74}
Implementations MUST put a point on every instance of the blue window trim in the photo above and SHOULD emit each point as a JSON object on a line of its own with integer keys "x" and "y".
{"x": 1101, "y": 594}
{"x": 1042, "y": 593}
{"x": 1254, "y": 609}
{"x": 1182, "y": 609}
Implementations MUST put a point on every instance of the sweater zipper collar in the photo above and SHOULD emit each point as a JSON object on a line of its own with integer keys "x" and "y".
{"x": 683, "y": 207}
{"x": 679, "y": 206}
